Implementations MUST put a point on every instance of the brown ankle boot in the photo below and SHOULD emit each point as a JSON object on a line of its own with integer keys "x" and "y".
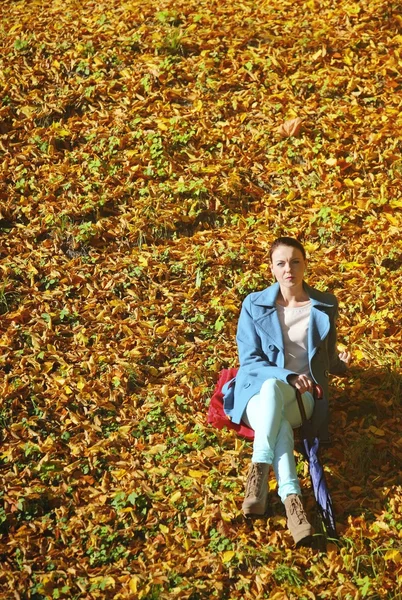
{"x": 256, "y": 496}
{"x": 298, "y": 524}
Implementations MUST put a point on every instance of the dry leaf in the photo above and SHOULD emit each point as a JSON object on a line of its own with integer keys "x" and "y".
{"x": 290, "y": 128}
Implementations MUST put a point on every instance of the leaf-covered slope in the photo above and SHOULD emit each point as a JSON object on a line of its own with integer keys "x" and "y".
{"x": 145, "y": 170}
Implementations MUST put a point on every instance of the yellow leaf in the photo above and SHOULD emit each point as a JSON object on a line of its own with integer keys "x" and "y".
{"x": 80, "y": 338}
{"x": 197, "y": 474}
{"x": 80, "y": 385}
{"x": 350, "y": 266}
{"x": 116, "y": 303}
{"x": 272, "y": 485}
{"x": 291, "y": 195}
{"x": 279, "y": 520}
{"x": 142, "y": 261}
{"x": 311, "y": 246}
{"x": 175, "y": 497}
{"x": 348, "y": 182}
{"x": 157, "y": 448}
{"x": 198, "y": 106}
{"x": 382, "y": 525}
{"x": 162, "y": 126}
{"x": 68, "y": 390}
{"x": 27, "y": 111}
{"x": 392, "y": 219}
{"x": 376, "y": 431}
{"x": 133, "y": 584}
{"x": 353, "y": 10}
{"x": 48, "y": 444}
{"x": 124, "y": 430}
{"x": 162, "y": 329}
{"x": 331, "y": 162}
{"x": 231, "y": 307}
{"x": 60, "y": 131}
{"x": 119, "y": 473}
{"x": 75, "y": 450}
{"x": 316, "y": 55}
{"x": 226, "y": 517}
{"x": 239, "y": 445}
{"x": 107, "y": 582}
{"x": 228, "y": 555}
{"x": 14, "y": 28}
{"x": 394, "y": 555}
{"x": 163, "y": 528}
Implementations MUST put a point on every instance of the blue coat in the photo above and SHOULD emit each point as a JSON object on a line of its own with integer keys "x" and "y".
{"x": 261, "y": 351}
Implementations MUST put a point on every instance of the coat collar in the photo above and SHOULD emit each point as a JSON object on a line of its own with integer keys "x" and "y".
{"x": 319, "y": 319}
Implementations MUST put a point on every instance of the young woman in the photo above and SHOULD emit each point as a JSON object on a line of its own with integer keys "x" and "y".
{"x": 286, "y": 339}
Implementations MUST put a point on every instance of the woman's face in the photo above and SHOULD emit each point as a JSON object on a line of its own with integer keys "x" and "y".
{"x": 288, "y": 266}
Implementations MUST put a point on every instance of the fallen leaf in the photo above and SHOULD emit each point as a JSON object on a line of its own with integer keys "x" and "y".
{"x": 291, "y": 128}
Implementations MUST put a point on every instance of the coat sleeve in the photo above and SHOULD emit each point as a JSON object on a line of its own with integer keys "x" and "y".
{"x": 251, "y": 355}
{"x": 336, "y": 365}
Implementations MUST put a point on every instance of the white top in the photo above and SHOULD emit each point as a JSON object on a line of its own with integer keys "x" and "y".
{"x": 294, "y": 324}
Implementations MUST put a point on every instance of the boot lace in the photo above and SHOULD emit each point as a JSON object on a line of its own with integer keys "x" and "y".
{"x": 254, "y": 480}
{"x": 296, "y": 509}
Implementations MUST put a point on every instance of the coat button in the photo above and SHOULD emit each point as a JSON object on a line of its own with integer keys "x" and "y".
{"x": 326, "y": 373}
{"x": 271, "y": 347}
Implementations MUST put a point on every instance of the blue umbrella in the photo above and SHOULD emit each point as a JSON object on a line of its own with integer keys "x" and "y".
{"x": 310, "y": 450}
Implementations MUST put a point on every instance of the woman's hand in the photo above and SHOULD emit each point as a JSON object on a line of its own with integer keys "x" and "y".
{"x": 301, "y": 383}
{"x": 345, "y": 356}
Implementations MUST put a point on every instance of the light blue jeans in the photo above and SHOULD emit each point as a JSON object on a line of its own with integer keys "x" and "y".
{"x": 273, "y": 434}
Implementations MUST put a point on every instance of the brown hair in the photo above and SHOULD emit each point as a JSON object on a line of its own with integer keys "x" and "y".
{"x": 287, "y": 241}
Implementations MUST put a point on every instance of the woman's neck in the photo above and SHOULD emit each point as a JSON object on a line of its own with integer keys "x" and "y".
{"x": 292, "y": 297}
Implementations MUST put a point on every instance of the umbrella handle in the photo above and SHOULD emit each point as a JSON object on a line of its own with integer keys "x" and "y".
{"x": 318, "y": 395}
{"x": 318, "y": 392}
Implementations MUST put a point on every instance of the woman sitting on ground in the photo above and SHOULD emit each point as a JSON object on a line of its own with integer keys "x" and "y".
{"x": 286, "y": 339}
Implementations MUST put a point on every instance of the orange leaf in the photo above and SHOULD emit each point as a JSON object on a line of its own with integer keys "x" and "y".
{"x": 290, "y": 128}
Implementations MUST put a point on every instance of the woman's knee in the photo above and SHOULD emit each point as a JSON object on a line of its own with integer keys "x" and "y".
{"x": 271, "y": 388}
{"x": 271, "y": 393}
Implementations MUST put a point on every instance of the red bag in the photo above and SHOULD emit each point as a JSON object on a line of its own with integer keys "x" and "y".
{"x": 216, "y": 414}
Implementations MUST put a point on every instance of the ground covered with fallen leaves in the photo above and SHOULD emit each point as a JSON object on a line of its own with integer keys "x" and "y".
{"x": 147, "y": 163}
